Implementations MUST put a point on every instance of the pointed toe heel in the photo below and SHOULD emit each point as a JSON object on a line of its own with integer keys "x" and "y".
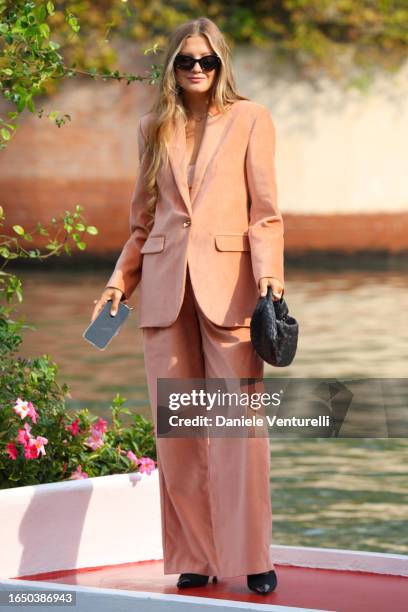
{"x": 189, "y": 580}
{"x": 262, "y": 583}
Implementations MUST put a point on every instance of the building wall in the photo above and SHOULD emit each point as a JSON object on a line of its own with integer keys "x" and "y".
{"x": 341, "y": 156}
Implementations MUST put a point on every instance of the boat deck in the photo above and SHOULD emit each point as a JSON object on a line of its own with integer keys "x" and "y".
{"x": 299, "y": 588}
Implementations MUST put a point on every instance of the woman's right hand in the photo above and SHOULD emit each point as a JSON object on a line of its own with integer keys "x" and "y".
{"x": 110, "y": 293}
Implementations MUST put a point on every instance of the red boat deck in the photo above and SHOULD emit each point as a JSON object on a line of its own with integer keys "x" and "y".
{"x": 321, "y": 589}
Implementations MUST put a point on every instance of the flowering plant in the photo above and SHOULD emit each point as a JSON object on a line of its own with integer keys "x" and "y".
{"x": 42, "y": 443}
{"x": 39, "y": 441}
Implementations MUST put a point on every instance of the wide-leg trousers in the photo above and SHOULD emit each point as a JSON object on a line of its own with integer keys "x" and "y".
{"x": 215, "y": 493}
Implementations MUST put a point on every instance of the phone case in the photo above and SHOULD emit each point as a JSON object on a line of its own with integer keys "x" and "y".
{"x": 101, "y": 331}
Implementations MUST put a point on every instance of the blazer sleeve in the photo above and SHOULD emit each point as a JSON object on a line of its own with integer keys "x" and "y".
{"x": 127, "y": 272}
{"x": 265, "y": 231}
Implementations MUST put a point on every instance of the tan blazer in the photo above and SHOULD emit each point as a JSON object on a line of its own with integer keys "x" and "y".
{"x": 228, "y": 228}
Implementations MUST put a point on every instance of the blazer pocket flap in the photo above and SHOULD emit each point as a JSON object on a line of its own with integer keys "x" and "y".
{"x": 153, "y": 244}
{"x": 232, "y": 242}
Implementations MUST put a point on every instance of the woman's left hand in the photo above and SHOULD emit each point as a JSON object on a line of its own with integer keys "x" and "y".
{"x": 277, "y": 287}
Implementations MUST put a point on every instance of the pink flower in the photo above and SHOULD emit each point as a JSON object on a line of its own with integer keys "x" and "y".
{"x": 31, "y": 451}
{"x": 131, "y": 455}
{"x": 24, "y": 408}
{"x": 21, "y": 408}
{"x": 39, "y": 442}
{"x": 78, "y": 474}
{"x": 146, "y": 465}
{"x": 34, "y": 447}
{"x": 100, "y": 426}
{"x": 73, "y": 427}
{"x": 32, "y": 412}
{"x": 11, "y": 449}
{"x": 23, "y": 435}
{"x": 95, "y": 440}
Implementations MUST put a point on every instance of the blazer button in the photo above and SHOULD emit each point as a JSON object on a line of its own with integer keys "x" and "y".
{"x": 187, "y": 223}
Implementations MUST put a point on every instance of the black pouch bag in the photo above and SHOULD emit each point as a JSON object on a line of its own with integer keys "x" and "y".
{"x": 274, "y": 333}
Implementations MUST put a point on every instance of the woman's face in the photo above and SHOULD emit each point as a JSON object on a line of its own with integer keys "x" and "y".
{"x": 197, "y": 47}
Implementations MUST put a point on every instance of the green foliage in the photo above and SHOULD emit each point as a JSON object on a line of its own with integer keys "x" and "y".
{"x": 42, "y": 43}
{"x": 309, "y": 32}
{"x": 79, "y": 443}
{"x": 31, "y": 61}
{"x": 34, "y": 382}
{"x": 69, "y": 228}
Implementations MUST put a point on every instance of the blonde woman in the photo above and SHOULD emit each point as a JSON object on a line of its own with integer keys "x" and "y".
{"x": 206, "y": 241}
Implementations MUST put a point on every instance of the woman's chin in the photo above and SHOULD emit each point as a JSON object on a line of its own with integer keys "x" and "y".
{"x": 196, "y": 87}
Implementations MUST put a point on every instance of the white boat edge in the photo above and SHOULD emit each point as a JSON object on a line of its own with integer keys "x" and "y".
{"x": 89, "y": 599}
{"x": 71, "y": 517}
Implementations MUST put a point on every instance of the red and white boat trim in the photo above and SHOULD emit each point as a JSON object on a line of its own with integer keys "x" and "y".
{"x": 101, "y": 538}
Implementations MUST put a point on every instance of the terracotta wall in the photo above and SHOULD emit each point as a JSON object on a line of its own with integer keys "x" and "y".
{"x": 340, "y": 157}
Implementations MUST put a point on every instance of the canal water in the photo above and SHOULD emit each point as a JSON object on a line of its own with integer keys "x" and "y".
{"x": 336, "y": 493}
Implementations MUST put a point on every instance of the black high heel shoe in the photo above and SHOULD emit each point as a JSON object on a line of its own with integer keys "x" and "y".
{"x": 262, "y": 583}
{"x": 193, "y": 580}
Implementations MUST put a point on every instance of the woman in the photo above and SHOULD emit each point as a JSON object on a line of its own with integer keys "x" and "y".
{"x": 206, "y": 241}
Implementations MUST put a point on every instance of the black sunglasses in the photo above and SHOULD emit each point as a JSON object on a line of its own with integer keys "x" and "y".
{"x": 186, "y": 62}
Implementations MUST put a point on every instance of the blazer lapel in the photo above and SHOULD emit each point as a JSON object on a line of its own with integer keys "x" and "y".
{"x": 212, "y": 138}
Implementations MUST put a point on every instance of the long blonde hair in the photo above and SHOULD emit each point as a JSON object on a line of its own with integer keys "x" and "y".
{"x": 168, "y": 103}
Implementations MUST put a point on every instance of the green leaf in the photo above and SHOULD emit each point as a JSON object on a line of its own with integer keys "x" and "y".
{"x": 41, "y": 14}
{"x": 20, "y": 104}
{"x": 81, "y": 245}
{"x": 72, "y": 22}
{"x": 5, "y": 134}
{"x": 19, "y": 230}
{"x": 50, "y": 8}
{"x": 30, "y": 104}
{"x": 91, "y": 229}
{"x": 44, "y": 29}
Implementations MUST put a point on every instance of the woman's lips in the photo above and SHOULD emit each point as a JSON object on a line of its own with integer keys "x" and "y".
{"x": 195, "y": 79}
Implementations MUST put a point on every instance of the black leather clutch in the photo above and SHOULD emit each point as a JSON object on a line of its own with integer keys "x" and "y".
{"x": 274, "y": 333}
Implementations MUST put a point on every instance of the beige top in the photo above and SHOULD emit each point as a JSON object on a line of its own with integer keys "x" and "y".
{"x": 190, "y": 173}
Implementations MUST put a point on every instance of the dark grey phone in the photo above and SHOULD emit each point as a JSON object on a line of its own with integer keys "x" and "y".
{"x": 102, "y": 329}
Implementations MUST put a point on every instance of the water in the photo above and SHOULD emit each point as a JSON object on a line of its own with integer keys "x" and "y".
{"x": 343, "y": 493}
